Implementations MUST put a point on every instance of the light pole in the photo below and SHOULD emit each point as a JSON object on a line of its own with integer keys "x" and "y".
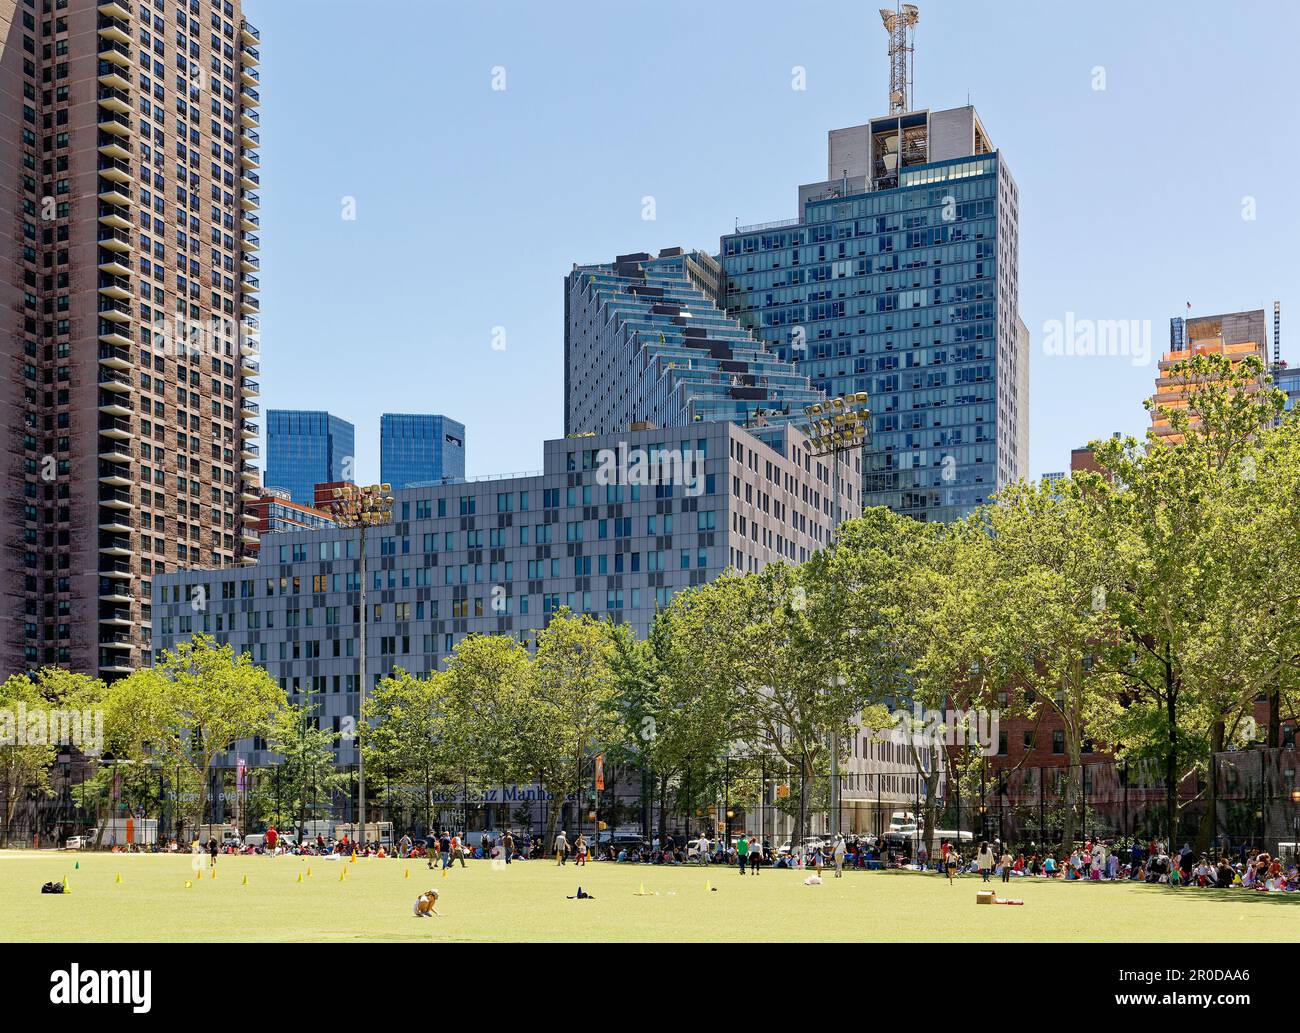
{"x": 361, "y": 507}
{"x": 837, "y": 428}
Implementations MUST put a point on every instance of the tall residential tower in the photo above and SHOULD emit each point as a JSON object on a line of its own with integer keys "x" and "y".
{"x": 128, "y": 192}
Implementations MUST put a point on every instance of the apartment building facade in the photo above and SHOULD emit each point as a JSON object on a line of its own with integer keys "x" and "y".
{"x": 501, "y": 555}
{"x": 128, "y": 187}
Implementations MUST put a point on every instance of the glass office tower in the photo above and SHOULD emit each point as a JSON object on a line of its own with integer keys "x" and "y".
{"x": 899, "y": 278}
{"x": 420, "y": 448}
{"x": 306, "y": 448}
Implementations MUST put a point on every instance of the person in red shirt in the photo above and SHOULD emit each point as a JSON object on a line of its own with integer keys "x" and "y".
{"x": 272, "y": 837}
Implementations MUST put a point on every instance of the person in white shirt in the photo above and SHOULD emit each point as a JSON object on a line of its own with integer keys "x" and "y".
{"x": 838, "y": 855}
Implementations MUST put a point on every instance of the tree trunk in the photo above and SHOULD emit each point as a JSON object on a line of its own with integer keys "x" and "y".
{"x": 1074, "y": 756}
{"x": 931, "y": 802}
{"x": 1205, "y": 832}
{"x": 663, "y": 810}
{"x": 1171, "y": 760}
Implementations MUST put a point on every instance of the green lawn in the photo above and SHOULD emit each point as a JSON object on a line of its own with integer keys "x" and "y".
{"x": 527, "y": 902}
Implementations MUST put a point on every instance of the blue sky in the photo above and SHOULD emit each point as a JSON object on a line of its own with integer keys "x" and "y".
{"x": 472, "y": 203}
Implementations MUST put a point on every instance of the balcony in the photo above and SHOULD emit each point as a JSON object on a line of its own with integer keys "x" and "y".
{"x": 249, "y": 76}
{"x": 114, "y": 122}
{"x": 249, "y": 180}
{"x": 116, "y": 498}
{"x": 117, "y": 287}
{"x": 115, "y": 169}
{"x": 118, "y": 311}
{"x": 247, "y": 408}
{"x": 114, "y": 568}
{"x": 251, "y": 241}
{"x": 115, "y": 545}
{"x": 111, "y": 193}
{"x": 111, "y": 591}
{"x": 110, "y": 665}
{"x": 248, "y": 450}
{"x": 249, "y": 495}
{"x": 116, "y": 147}
{"x": 115, "y": 405}
{"x": 249, "y": 517}
{"x": 113, "y": 453}
{"x": 251, "y": 159}
{"x": 112, "y": 334}
{"x": 250, "y": 137}
{"x": 248, "y": 472}
{"x": 116, "y": 617}
{"x": 250, "y": 221}
{"x": 248, "y": 32}
{"x": 249, "y": 284}
{"x": 115, "y": 216}
{"x": 249, "y": 304}
{"x": 250, "y": 199}
{"x": 114, "y": 100}
{"x": 114, "y": 239}
{"x": 248, "y": 429}
{"x": 250, "y": 365}
{"x": 249, "y": 387}
{"x": 112, "y": 380}
{"x": 115, "y": 427}
{"x": 115, "y": 53}
{"x": 250, "y": 55}
{"x": 250, "y": 263}
{"x": 115, "y": 9}
{"x": 115, "y": 356}
{"x": 115, "y": 30}
{"x": 111, "y": 74}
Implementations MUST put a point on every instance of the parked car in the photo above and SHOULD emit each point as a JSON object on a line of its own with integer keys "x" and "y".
{"x": 75, "y": 843}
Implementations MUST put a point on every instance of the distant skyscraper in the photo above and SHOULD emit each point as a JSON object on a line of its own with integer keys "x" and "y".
{"x": 305, "y": 448}
{"x": 645, "y": 340}
{"x": 419, "y": 448}
{"x": 899, "y": 277}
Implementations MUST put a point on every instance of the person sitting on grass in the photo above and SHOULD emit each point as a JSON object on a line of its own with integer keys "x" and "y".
{"x": 426, "y": 904}
{"x": 1049, "y": 867}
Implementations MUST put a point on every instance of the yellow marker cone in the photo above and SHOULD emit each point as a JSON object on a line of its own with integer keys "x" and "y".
{"x": 245, "y": 880}
{"x": 309, "y": 873}
{"x": 641, "y": 891}
{"x": 707, "y": 886}
{"x": 300, "y": 876}
{"x": 354, "y": 857}
{"x": 118, "y": 880}
{"x": 343, "y": 875}
{"x": 408, "y": 874}
{"x": 188, "y": 884}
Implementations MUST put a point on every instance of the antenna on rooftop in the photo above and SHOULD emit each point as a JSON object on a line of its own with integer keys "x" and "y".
{"x": 900, "y": 23}
{"x": 1277, "y": 334}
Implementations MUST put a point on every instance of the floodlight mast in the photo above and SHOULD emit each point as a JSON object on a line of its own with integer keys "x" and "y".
{"x": 836, "y": 428}
{"x": 355, "y": 506}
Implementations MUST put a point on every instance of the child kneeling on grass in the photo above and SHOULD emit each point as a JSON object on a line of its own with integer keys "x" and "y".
{"x": 426, "y": 904}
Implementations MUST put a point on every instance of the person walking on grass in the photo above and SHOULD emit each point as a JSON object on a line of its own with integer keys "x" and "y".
{"x": 742, "y": 852}
{"x": 1007, "y": 862}
{"x": 561, "y": 848}
{"x": 755, "y": 854}
{"x": 580, "y": 851}
{"x": 837, "y": 853}
{"x": 984, "y": 861}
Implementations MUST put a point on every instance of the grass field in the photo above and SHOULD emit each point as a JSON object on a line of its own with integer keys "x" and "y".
{"x": 527, "y": 902}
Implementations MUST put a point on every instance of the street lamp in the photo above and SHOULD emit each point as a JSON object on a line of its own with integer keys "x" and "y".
{"x": 361, "y": 507}
{"x": 836, "y": 428}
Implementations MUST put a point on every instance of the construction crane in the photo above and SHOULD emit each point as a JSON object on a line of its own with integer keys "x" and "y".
{"x": 900, "y": 23}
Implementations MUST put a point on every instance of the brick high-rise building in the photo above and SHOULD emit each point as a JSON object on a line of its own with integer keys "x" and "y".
{"x": 128, "y": 220}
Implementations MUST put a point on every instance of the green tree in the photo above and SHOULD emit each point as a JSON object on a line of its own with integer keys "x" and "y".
{"x": 198, "y": 701}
